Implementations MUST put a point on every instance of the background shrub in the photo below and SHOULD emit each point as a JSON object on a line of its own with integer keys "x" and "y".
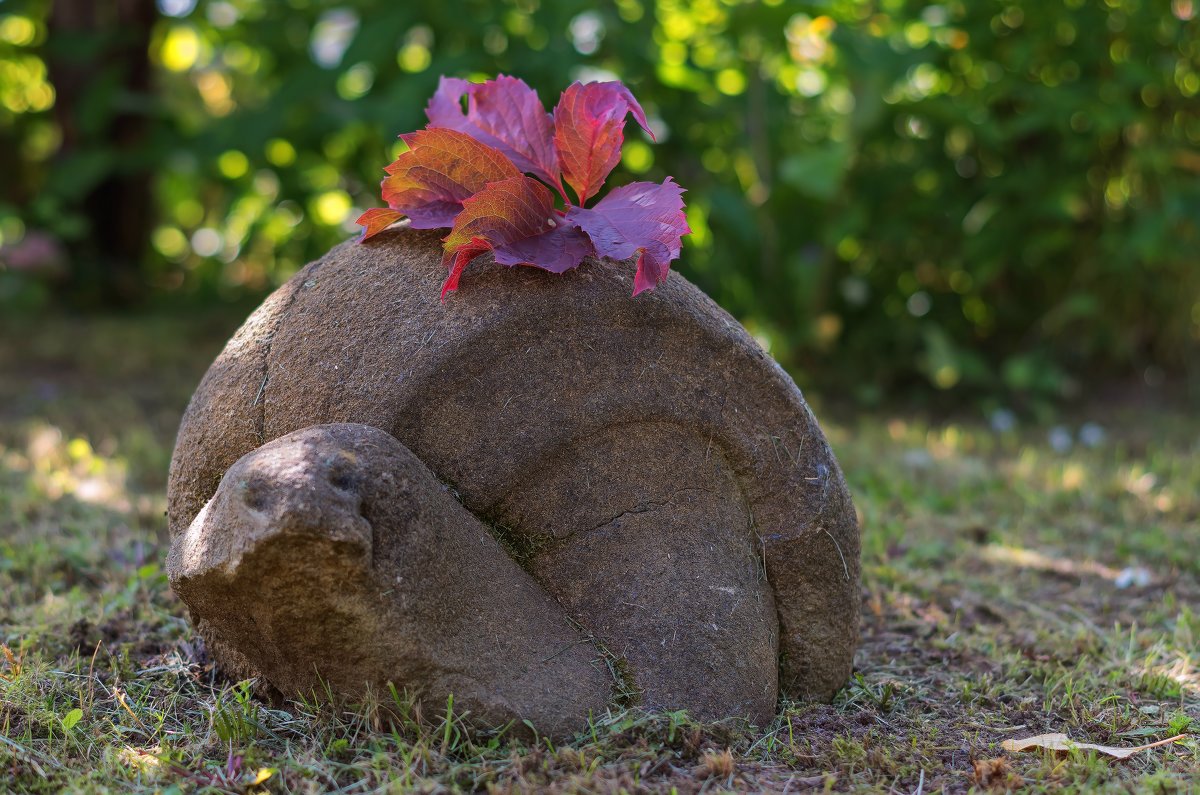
{"x": 982, "y": 198}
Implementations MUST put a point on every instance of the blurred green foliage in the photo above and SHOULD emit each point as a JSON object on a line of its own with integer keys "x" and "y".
{"x": 997, "y": 197}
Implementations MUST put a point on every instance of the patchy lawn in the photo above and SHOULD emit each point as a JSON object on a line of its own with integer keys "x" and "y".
{"x": 1012, "y": 585}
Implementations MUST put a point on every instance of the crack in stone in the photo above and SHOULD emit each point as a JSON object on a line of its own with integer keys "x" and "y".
{"x": 260, "y": 401}
{"x": 645, "y": 507}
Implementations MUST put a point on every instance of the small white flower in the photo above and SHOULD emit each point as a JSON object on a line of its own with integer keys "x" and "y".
{"x": 1003, "y": 420}
{"x": 1092, "y": 435}
{"x": 1060, "y": 439}
{"x": 1134, "y": 576}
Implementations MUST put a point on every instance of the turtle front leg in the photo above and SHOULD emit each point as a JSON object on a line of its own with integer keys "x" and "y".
{"x": 332, "y": 556}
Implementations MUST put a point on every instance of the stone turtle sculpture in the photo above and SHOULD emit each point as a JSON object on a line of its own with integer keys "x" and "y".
{"x": 541, "y": 496}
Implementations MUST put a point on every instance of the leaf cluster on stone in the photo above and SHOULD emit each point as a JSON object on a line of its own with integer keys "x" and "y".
{"x": 484, "y": 173}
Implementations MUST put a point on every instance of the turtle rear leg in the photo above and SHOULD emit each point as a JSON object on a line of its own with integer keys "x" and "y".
{"x": 642, "y": 535}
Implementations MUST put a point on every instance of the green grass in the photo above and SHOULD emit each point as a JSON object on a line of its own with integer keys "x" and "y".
{"x": 991, "y": 610}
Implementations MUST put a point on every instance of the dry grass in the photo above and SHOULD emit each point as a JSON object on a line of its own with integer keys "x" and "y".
{"x": 993, "y": 608}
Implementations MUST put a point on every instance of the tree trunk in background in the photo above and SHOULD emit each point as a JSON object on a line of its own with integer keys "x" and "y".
{"x": 100, "y": 68}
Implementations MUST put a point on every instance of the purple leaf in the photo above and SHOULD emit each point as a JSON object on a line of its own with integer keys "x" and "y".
{"x": 641, "y": 218}
{"x": 504, "y": 113}
{"x": 445, "y": 106}
{"x": 516, "y": 219}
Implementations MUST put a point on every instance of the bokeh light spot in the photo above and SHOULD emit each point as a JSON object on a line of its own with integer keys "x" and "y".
{"x": 233, "y": 164}
{"x": 280, "y": 152}
{"x": 731, "y": 82}
{"x": 356, "y": 81}
{"x": 17, "y": 31}
{"x": 637, "y": 157}
{"x": 331, "y": 207}
{"x": 206, "y": 242}
{"x": 181, "y": 48}
{"x": 170, "y": 242}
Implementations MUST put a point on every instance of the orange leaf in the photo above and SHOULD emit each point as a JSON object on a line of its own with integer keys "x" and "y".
{"x": 441, "y": 169}
{"x": 376, "y": 220}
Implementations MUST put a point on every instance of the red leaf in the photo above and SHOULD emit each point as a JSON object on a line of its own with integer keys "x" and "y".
{"x": 589, "y": 123}
{"x": 640, "y": 218}
{"x": 516, "y": 219}
{"x": 463, "y": 255}
{"x": 441, "y": 169}
{"x": 503, "y": 113}
{"x": 376, "y": 220}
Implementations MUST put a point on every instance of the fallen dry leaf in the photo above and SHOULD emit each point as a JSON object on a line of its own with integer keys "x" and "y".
{"x": 1061, "y": 743}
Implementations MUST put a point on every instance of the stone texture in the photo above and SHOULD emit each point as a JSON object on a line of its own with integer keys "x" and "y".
{"x": 676, "y": 513}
